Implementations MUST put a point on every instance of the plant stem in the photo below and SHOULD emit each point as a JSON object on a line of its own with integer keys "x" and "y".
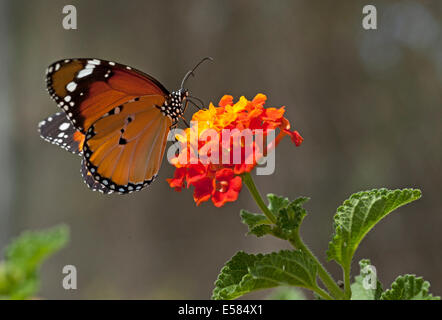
{"x": 297, "y": 243}
{"x": 326, "y": 278}
{"x": 323, "y": 293}
{"x": 248, "y": 181}
{"x": 347, "y": 288}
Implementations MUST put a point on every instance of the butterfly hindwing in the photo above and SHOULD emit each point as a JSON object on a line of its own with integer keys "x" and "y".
{"x": 58, "y": 130}
{"x": 123, "y": 149}
{"x": 86, "y": 89}
{"x": 88, "y": 178}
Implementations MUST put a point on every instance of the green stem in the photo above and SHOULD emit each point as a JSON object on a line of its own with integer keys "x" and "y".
{"x": 248, "y": 181}
{"x": 322, "y": 272}
{"x": 297, "y": 243}
{"x": 347, "y": 288}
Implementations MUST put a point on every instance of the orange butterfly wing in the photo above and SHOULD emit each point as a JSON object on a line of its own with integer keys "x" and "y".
{"x": 86, "y": 89}
{"x": 123, "y": 149}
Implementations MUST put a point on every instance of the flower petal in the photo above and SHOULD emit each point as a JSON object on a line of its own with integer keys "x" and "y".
{"x": 226, "y": 100}
{"x": 177, "y": 181}
{"x": 203, "y": 190}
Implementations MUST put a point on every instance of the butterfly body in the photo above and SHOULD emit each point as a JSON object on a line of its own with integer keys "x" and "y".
{"x": 116, "y": 117}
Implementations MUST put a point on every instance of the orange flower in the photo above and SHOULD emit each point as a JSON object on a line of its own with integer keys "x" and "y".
{"x": 208, "y": 160}
{"x": 226, "y": 187}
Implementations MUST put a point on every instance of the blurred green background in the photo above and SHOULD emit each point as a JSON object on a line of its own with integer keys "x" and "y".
{"x": 368, "y": 104}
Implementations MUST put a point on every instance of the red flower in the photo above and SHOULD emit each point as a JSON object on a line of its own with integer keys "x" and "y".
{"x": 226, "y": 187}
{"x": 221, "y": 180}
{"x": 178, "y": 179}
{"x": 203, "y": 190}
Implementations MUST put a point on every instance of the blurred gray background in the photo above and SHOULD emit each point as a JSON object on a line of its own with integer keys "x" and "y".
{"x": 368, "y": 104}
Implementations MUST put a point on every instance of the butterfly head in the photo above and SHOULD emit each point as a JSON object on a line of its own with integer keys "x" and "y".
{"x": 174, "y": 106}
{"x": 183, "y": 93}
{"x": 178, "y": 98}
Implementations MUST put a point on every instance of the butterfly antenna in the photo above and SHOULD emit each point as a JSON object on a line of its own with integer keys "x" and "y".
{"x": 190, "y": 72}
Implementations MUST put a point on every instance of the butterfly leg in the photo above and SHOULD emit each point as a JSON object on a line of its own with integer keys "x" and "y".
{"x": 185, "y": 121}
{"x": 195, "y": 105}
{"x": 175, "y": 123}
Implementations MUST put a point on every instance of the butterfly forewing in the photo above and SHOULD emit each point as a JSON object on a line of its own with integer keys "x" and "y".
{"x": 58, "y": 130}
{"x": 86, "y": 89}
{"x": 123, "y": 150}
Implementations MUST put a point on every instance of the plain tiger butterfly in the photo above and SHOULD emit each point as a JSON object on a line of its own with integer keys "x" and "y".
{"x": 115, "y": 117}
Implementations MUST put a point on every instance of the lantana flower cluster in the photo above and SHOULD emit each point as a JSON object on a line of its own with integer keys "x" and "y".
{"x": 221, "y": 180}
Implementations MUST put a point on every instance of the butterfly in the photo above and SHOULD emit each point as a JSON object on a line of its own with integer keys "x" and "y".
{"x": 115, "y": 117}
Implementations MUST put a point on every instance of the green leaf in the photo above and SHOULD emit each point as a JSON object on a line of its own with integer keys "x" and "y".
{"x": 31, "y": 248}
{"x": 408, "y": 287}
{"x": 359, "y": 214}
{"x": 289, "y": 216}
{"x": 258, "y": 224}
{"x": 286, "y": 293}
{"x": 276, "y": 203}
{"x": 235, "y": 279}
{"x": 363, "y": 288}
{"x": 19, "y": 272}
{"x": 289, "y": 219}
{"x": 286, "y": 268}
{"x": 245, "y": 273}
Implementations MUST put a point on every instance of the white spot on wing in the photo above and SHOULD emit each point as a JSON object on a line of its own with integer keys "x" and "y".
{"x": 95, "y": 61}
{"x": 84, "y": 72}
{"x": 64, "y": 126}
{"x": 71, "y": 86}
